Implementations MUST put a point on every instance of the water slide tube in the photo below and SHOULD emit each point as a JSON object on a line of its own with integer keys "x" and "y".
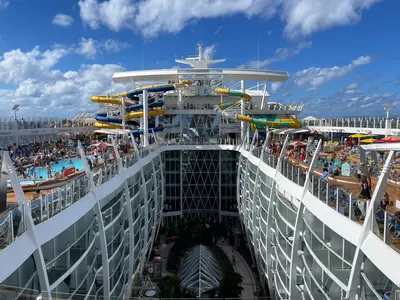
{"x": 115, "y": 99}
{"x": 156, "y": 88}
{"x": 136, "y": 107}
{"x": 155, "y": 107}
{"x": 228, "y": 92}
{"x": 102, "y": 117}
{"x": 262, "y": 123}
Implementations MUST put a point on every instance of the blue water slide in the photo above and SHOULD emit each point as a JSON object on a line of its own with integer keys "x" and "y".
{"x": 103, "y": 118}
{"x": 140, "y": 106}
{"x": 150, "y": 89}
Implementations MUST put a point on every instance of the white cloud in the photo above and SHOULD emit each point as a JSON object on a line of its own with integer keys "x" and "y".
{"x": 170, "y": 16}
{"x": 151, "y": 17}
{"x": 209, "y": 51}
{"x": 115, "y": 14}
{"x": 352, "y": 86}
{"x": 16, "y": 66}
{"x": 280, "y": 55}
{"x": 4, "y": 4}
{"x": 304, "y": 17}
{"x": 63, "y": 20}
{"x": 113, "y": 46}
{"x": 90, "y": 47}
{"x": 87, "y": 48}
{"x": 352, "y": 89}
{"x": 362, "y": 60}
{"x": 275, "y": 86}
{"x": 316, "y": 77}
{"x": 42, "y": 87}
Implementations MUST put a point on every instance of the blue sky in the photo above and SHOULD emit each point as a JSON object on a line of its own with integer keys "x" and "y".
{"x": 342, "y": 55}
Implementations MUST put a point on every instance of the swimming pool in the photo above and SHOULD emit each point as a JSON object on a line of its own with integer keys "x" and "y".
{"x": 57, "y": 167}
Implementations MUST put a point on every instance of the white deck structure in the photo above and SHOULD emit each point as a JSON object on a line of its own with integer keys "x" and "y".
{"x": 89, "y": 238}
{"x": 378, "y": 126}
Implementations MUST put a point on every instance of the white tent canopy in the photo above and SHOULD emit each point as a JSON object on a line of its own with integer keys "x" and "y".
{"x": 310, "y": 118}
{"x": 200, "y": 271}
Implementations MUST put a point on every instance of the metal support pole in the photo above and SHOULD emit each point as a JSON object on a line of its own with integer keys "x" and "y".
{"x": 242, "y": 111}
{"x": 368, "y": 223}
{"x": 180, "y": 115}
{"x": 3, "y": 184}
{"x": 123, "y": 113}
{"x": 145, "y": 118}
{"x": 141, "y": 119}
{"x": 264, "y": 96}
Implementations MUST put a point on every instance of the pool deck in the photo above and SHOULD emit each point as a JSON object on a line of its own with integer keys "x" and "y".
{"x": 352, "y": 185}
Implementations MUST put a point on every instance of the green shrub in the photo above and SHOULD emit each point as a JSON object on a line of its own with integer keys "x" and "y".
{"x": 170, "y": 286}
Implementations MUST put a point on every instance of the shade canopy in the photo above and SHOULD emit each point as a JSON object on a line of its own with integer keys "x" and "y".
{"x": 391, "y": 139}
{"x": 200, "y": 271}
{"x": 368, "y": 141}
{"x": 358, "y": 135}
{"x": 310, "y": 118}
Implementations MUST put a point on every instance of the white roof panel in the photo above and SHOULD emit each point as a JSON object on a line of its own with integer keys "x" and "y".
{"x": 173, "y": 74}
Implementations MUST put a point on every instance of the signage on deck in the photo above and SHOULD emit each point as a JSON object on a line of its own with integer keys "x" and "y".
{"x": 346, "y": 169}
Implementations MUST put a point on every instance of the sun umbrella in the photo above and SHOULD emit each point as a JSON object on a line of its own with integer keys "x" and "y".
{"x": 391, "y": 139}
{"x": 64, "y": 134}
{"x": 368, "y": 141}
{"x": 299, "y": 144}
{"x": 358, "y": 135}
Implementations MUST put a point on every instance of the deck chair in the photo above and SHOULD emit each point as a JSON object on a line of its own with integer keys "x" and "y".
{"x": 380, "y": 216}
{"x": 397, "y": 229}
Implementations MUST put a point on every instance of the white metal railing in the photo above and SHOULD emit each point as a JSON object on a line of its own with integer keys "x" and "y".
{"x": 12, "y": 222}
{"x": 37, "y": 123}
{"x": 359, "y": 122}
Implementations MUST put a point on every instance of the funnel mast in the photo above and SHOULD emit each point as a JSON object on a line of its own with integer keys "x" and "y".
{"x": 201, "y": 61}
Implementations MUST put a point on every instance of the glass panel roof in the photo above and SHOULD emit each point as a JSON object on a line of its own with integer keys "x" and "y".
{"x": 200, "y": 271}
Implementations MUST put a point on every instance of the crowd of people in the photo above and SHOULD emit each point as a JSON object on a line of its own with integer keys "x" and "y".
{"x": 27, "y": 158}
{"x": 330, "y": 160}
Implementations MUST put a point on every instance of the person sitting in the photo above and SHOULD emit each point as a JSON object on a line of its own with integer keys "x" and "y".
{"x": 330, "y": 168}
{"x": 365, "y": 190}
{"x": 380, "y": 213}
{"x": 384, "y": 202}
{"x": 336, "y": 171}
{"x": 325, "y": 175}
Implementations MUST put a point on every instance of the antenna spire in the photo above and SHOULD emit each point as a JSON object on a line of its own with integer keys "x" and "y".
{"x": 258, "y": 53}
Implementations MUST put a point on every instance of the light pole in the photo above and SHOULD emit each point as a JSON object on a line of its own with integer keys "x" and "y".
{"x": 387, "y": 107}
{"x": 15, "y": 109}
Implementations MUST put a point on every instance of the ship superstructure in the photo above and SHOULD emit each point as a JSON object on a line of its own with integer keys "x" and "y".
{"x": 89, "y": 239}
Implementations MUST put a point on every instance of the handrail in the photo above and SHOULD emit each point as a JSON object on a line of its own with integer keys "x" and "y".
{"x": 324, "y": 244}
{"x": 73, "y": 244}
{"x": 313, "y": 277}
{"x": 366, "y": 280}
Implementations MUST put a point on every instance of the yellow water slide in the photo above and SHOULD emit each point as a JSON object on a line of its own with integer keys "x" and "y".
{"x": 114, "y": 99}
{"x": 228, "y": 92}
{"x": 139, "y": 114}
{"x": 273, "y": 122}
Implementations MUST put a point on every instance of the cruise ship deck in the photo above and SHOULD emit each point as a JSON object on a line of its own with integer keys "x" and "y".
{"x": 90, "y": 239}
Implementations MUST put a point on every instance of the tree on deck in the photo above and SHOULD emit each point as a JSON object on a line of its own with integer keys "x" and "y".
{"x": 170, "y": 286}
{"x": 231, "y": 285}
